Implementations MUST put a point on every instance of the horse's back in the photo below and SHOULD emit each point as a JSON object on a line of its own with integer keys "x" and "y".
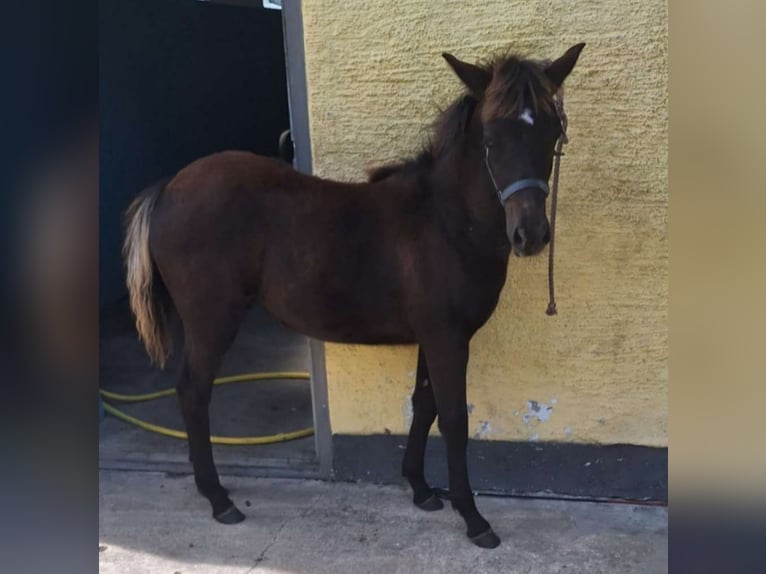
{"x": 235, "y": 170}
{"x": 221, "y": 194}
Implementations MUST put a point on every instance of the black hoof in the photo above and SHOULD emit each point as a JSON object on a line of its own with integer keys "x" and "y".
{"x": 430, "y": 504}
{"x": 486, "y": 539}
{"x": 231, "y": 515}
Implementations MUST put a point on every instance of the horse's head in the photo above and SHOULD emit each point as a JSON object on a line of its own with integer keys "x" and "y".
{"x": 520, "y": 127}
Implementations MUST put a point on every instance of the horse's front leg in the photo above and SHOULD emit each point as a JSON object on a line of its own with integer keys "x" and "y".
{"x": 447, "y": 358}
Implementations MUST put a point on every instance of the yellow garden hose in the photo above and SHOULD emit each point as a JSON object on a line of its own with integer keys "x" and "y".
{"x": 230, "y": 440}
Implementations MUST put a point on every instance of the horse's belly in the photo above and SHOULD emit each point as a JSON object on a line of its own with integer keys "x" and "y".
{"x": 363, "y": 330}
{"x": 344, "y": 288}
{"x": 356, "y": 336}
{"x": 342, "y": 317}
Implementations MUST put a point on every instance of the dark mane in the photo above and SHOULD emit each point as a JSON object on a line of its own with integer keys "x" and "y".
{"x": 516, "y": 83}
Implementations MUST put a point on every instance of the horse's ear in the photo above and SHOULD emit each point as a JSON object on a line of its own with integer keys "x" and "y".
{"x": 475, "y": 78}
{"x": 560, "y": 69}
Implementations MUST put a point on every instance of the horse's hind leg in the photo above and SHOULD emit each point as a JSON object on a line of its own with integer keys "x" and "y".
{"x": 209, "y": 331}
{"x": 423, "y": 416}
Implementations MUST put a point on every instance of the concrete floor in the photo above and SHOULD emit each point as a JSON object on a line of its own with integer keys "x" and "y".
{"x": 153, "y": 523}
{"x": 241, "y": 409}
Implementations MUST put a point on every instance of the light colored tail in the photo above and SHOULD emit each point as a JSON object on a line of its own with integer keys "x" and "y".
{"x": 148, "y": 298}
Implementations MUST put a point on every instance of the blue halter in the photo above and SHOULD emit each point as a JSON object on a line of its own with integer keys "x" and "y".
{"x": 505, "y": 193}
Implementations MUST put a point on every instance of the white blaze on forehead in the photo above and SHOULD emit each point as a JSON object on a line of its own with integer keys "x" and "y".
{"x": 526, "y": 116}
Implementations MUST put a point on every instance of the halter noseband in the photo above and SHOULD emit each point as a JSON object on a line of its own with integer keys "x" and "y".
{"x": 504, "y": 194}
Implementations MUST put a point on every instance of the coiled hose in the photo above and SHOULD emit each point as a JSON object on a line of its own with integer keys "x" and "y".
{"x": 228, "y": 440}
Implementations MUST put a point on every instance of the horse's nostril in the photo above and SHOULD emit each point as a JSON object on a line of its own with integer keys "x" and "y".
{"x": 518, "y": 238}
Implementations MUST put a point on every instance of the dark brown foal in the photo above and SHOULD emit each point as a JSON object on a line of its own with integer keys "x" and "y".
{"x": 419, "y": 254}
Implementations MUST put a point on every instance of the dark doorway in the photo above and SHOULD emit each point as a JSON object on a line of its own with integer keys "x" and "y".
{"x": 180, "y": 79}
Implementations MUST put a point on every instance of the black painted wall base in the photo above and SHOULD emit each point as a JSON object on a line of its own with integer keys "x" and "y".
{"x": 627, "y": 472}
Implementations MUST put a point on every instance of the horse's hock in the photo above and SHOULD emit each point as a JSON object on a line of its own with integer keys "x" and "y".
{"x": 595, "y": 374}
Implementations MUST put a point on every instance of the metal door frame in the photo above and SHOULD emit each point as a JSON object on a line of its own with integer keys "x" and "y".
{"x": 297, "y": 95}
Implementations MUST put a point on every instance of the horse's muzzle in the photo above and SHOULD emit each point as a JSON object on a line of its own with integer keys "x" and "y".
{"x": 529, "y": 240}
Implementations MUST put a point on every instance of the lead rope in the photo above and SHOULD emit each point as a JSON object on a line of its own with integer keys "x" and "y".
{"x": 559, "y": 100}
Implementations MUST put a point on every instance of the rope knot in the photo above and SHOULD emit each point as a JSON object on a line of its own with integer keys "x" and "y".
{"x": 551, "y": 310}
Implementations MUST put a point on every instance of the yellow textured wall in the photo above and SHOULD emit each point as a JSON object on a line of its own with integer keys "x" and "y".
{"x": 597, "y": 372}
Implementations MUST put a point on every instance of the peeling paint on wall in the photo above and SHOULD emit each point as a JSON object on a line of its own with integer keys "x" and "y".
{"x": 484, "y": 431}
{"x": 537, "y": 411}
